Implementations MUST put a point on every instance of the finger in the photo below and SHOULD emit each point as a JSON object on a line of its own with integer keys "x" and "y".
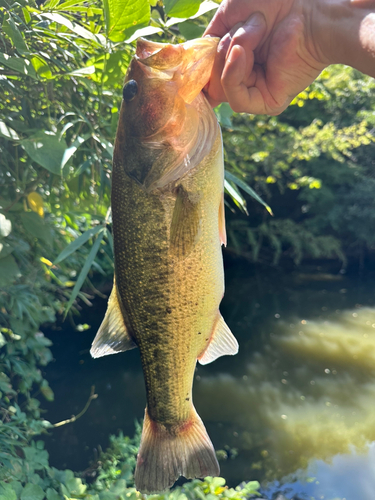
{"x": 256, "y": 99}
{"x": 214, "y": 89}
{"x": 248, "y": 35}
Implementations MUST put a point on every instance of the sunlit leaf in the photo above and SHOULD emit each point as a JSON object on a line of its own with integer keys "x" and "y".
{"x": 85, "y": 270}
{"x": 205, "y": 7}
{"x": 5, "y": 226}
{"x": 41, "y": 67}
{"x": 85, "y": 71}
{"x": 7, "y": 132}
{"x": 181, "y": 8}
{"x": 236, "y": 196}
{"x": 247, "y": 189}
{"x": 35, "y": 202}
{"x": 81, "y": 240}
{"x": 124, "y": 17}
{"x": 76, "y": 28}
{"x": 69, "y": 3}
{"x": 46, "y": 261}
{"x": 147, "y": 31}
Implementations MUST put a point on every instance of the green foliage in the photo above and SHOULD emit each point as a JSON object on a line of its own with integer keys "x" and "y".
{"x": 62, "y": 65}
{"x": 318, "y": 163}
{"x": 111, "y": 476}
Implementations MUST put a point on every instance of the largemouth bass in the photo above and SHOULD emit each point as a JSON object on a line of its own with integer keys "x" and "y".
{"x": 168, "y": 227}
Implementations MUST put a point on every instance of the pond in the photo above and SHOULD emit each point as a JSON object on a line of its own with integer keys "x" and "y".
{"x": 295, "y": 409}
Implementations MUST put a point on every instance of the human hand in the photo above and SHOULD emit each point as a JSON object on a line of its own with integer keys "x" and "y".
{"x": 273, "y": 49}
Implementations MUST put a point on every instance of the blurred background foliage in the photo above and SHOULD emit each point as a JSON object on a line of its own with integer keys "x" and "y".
{"x": 62, "y": 65}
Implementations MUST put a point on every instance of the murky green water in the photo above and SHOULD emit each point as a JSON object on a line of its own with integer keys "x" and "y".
{"x": 294, "y": 409}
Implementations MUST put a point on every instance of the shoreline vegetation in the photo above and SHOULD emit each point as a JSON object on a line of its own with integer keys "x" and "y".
{"x": 313, "y": 166}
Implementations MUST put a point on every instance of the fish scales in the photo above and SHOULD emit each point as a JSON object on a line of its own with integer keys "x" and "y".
{"x": 162, "y": 294}
{"x": 168, "y": 226}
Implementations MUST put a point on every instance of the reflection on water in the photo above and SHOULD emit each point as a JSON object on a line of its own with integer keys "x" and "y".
{"x": 297, "y": 402}
{"x": 309, "y": 395}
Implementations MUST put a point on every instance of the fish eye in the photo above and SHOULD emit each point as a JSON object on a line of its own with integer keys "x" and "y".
{"x": 130, "y": 90}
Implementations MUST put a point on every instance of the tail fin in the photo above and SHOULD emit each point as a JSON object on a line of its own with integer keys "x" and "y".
{"x": 166, "y": 453}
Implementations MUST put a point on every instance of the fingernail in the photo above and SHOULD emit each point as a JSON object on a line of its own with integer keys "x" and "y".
{"x": 224, "y": 43}
{"x": 256, "y": 19}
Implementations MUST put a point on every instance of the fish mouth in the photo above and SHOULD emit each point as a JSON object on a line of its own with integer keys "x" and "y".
{"x": 188, "y": 64}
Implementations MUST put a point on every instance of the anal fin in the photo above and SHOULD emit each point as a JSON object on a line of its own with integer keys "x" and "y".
{"x": 113, "y": 335}
{"x": 222, "y": 343}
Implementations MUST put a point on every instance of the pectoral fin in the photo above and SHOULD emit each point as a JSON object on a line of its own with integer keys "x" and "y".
{"x": 185, "y": 225}
{"x": 222, "y": 343}
{"x": 113, "y": 335}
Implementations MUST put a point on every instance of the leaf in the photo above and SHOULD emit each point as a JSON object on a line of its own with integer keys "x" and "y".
{"x": 52, "y": 494}
{"x": 19, "y": 64}
{"x": 147, "y": 31}
{"x": 76, "y": 28}
{"x": 106, "y": 145}
{"x": 5, "y": 250}
{"x": 47, "y": 392}
{"x": 46, "y": 150}
{"x": 69, "y": 3}
{"x": 181, "y": 8}
{"x": 35, "y": 202}
{"x": 85, "y": 71}
{"x": 236, "y": 196}
{"x": 85, "y": 270}
{"x": 69, "y": 152}
{"x": 5, "y": 226}
{"x": 76, "y": 487}
{"x": 248, "y": 190}
{"x": 189, "y": 30}
{"x": 41, "y": 67}
{"x": 205, "y": 7}
{"x": 224, "y": 113}
{"x": 36, "y": 226}
{"x": 122, "y": 17}
{"x": 110, "y": 239}
{"x": 81, "y": 240}
{"x": 13, "y": 32}
{"x": 7, "y": 492}
{"x": 8, "y": 270}
{"x": 7, "y": 132}
{"x": 26, "y": 15}
{"x": 32, "y": 492}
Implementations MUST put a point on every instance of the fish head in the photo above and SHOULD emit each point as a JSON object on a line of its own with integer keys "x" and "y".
{"x": 162, "y": 104}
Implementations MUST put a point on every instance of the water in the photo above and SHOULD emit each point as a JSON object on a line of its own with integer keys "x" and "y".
{"x": 295, "y": 409}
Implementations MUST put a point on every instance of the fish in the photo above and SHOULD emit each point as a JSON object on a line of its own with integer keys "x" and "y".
{"x": 168, "y": 227}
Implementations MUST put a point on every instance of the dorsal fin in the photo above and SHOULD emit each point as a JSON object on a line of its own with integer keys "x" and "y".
{"x": 222, "y": 343}
{"x": 113, "y": 335}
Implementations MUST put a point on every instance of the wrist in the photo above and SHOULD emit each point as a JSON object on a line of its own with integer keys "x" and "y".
{"x": 343, "y": 33}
